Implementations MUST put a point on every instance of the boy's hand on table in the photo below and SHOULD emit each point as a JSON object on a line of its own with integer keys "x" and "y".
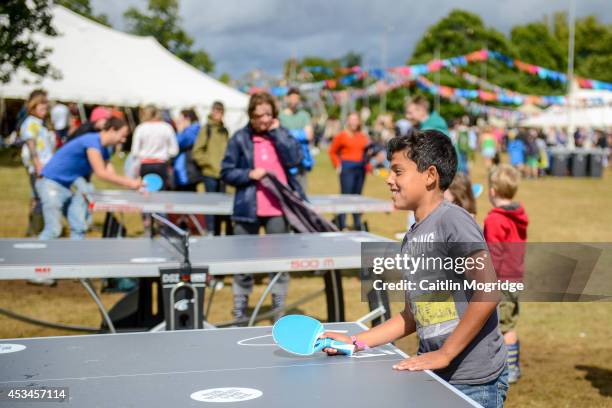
{"x": 334, "y": 336}
{"x": 433, "y": 360}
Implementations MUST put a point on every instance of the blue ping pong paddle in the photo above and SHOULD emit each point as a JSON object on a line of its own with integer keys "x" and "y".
{"x": 477, "y": 190}
{"x": 299, "y": 334}
{"x": 153, "y": 182}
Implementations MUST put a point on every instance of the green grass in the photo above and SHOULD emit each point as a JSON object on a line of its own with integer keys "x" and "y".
{"x": 566, "y": 348}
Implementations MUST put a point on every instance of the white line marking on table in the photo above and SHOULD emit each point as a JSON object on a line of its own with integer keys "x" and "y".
{"x": 243, "y": 341}
{"x": 6, "y": 348}
{"x": 215, "y": 370}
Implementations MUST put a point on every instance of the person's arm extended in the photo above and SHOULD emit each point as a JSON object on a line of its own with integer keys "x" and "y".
{"x": 107, "y": 173}
{"x": 398, "y": 326}
{"x": 479, "y": 309}
{"x": 334, "y": 150}
{"x": 395, "y": 328}
{"x": 309, "y": 132}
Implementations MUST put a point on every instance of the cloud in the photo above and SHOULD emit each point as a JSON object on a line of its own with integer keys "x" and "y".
{"x": 244, "y": 34}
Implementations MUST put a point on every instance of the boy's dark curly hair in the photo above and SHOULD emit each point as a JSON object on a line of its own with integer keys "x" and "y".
{"x": 427, "y": 148}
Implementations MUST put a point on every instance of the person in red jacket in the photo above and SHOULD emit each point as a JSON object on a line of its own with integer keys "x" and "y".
{"x": 348, "y": 155}
{"x": 505, "y": 230}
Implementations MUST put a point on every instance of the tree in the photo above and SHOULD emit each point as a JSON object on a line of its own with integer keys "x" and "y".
{"x": 162, "y": 21}
{"x": 19, "y": 21}
{"x": 225, "y": 78}
{"x": 83, "y": 7}
{"x": 462, "y": 32}
{"x": 534, "y": 42}
{"x": 593, "y": 49}
{"x": 351, "y": 59}
{"x": 459, "y": 33}
{"x": 593, "y": 45}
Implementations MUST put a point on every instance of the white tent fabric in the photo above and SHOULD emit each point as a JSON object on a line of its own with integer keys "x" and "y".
{"x": 592, "y": 96}
{"x": 598, "y": 115}
{"x": 559, "y": 117}
{"x": 100, "y": 65}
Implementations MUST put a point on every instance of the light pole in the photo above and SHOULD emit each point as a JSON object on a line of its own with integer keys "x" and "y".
{"x": 570, "y": 74}
{"x": 383, "y": 96}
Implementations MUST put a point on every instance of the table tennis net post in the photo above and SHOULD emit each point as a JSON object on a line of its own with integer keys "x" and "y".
{"x": 176, "y": 237}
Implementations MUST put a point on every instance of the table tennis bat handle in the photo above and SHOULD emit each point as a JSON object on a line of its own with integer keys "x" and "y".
{"x": 340, "y": 347}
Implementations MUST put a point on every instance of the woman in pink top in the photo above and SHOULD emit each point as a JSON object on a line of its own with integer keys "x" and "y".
{"x": 260, "y": 148}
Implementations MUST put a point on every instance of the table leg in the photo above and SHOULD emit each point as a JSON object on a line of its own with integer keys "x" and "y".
{"x": 263, "y": 297}
{"x": 335, "y": 296}
{"x": 92, "y": 292}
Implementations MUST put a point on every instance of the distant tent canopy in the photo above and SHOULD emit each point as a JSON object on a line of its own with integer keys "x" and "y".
{"x": 103, "y": 66}
{"x": 579, "y": 113}
{"x": 598, "y": 117}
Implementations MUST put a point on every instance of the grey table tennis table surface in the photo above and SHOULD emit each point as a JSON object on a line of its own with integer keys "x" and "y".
{"x": 142, "y": 257}
{"x": 226, "y": 367}
{"x": 219, "y": 203}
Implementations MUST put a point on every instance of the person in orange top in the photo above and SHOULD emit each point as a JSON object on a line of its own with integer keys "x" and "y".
{"x": 348, "y": 155}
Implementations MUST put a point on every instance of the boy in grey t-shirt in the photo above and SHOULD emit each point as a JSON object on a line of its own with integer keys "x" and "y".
{"x": 459, "y": 337}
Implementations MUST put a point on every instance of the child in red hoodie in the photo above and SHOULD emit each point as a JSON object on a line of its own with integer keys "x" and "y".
{"x": 505, "y": 230}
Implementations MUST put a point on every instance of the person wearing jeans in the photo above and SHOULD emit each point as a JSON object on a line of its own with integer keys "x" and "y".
{"x": 490, "y": 394}
{"x": 208, "y": 151}
{"x": 67, "y": 169}
{"x": 348, "y": 155}
{"x": 56, "y": 200}
{"x": 260, "y": 148}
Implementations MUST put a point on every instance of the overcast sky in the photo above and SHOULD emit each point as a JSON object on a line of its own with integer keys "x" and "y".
{"x": 241, "y": 35}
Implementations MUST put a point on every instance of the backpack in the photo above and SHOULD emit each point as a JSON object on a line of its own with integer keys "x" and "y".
{"x": 194, "y": 172}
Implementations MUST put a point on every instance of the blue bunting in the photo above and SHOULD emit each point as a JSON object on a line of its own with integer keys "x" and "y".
{"x": 279, "y": 90}
{"x": 501, "y": 57}
{"x": 377, "y": 73}
{"x": 419, "y": 69}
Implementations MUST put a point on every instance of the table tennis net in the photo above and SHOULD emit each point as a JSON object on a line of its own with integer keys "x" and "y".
{"x": 177, "y": 238}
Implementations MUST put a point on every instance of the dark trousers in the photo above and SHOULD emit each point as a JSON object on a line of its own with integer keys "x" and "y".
{"x": 351, "y": 182}
{"x": 212, "y": 185}
{"x": 186, "y": 187}
{"x": 35, "y": 219}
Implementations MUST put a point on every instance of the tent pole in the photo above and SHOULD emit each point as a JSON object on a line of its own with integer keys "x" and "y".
{"x": 570, "y": 74}
{"x": 2, "y": 112}
{"x": 82, "y": 114}
{"x": 130, "y": 117}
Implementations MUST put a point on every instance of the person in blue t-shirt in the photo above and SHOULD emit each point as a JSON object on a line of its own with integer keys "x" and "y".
{"x": 78, "y": 159}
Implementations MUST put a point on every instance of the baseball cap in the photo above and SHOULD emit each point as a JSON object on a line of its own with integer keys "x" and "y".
{"x": 100, "y": 112}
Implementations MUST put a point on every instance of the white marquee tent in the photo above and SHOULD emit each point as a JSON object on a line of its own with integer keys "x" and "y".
{"x": 581, "y": 115}
{"x": 562, "y": 117}
{"x": 100, "y": 65}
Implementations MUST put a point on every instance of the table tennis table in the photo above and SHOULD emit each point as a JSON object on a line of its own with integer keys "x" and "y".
{"x": 220, "y": 204}
{"x": 192, "y": 257}
{"x": 229, "y": 367}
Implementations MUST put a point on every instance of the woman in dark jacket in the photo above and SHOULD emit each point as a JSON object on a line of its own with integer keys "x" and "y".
{"x": 259, "y": 148}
